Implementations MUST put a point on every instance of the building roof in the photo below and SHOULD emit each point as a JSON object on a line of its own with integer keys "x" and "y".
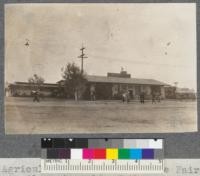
{"x": 104, "y": 79}
{"x": 184, "y": 90}
{"x": 28, "y": 84}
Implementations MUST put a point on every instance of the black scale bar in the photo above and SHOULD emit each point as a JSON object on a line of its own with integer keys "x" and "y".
{"x": 64, "y": 143}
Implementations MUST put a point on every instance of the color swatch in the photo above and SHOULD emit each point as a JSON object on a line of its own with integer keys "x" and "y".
{"x": 101, "y": 143}
{"x": 109, "y": 154}
{"x": 102, "y": 149}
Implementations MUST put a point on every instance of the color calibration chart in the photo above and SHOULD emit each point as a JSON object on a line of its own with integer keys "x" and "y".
{"x": 108, "y": 156}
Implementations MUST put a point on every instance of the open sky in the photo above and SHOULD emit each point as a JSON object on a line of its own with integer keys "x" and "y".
{"x": 155, "y": 41}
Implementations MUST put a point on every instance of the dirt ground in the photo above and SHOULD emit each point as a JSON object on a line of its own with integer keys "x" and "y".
{"x": 22, "y": 116}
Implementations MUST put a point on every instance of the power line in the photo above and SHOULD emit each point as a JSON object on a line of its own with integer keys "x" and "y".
{"x": 82, "y": 56}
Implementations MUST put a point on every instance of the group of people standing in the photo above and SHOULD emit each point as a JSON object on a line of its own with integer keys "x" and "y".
{"x": 125, "y": 96}
{"x": 155, "y": 97}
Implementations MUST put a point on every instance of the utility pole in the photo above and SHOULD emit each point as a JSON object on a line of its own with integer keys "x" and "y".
{"x": 82, "y": 56}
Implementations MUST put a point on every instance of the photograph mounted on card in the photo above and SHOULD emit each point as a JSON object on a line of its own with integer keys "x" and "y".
{"x": 100, "y": 68}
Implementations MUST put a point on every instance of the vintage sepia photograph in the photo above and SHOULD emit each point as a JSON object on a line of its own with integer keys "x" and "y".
{"x": 100, "y": 68}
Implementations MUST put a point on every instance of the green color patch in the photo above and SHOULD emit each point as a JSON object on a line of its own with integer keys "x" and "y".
{"x": 123, "y": 153}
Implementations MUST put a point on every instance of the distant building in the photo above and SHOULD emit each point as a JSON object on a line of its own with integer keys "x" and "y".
{"x": 114, "y": 85}
{"x": 185, "y": 93}
{"x": 111, "y": 86}
{"x": 173, "y": 92}
{"x": 24, "y": 89}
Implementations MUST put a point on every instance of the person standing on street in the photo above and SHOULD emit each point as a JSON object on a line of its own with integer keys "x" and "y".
{"x": 153, "y": 98}
{"x": 142, "y": 97}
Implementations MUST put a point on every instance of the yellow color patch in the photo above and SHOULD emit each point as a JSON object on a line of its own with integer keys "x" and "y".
{"x": 111, "y": 153}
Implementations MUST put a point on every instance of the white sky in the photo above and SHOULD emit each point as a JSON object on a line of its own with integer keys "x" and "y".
{"x": 155, "y": 41}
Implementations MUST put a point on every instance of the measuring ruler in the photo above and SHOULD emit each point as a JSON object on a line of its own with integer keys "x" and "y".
{"x": 102, "y": 166}
{"x": 102, "y": 156}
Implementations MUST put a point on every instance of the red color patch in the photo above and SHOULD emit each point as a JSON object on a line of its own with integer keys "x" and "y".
{"x": 99, "y": 153}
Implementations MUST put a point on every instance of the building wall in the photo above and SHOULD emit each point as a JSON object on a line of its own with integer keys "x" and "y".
{"x": 163, "y": 92}
{"x": 46, "y": 93}
{"x": 147, "y": 90}
{"x": 135, "y": 90}
{"x": 115, "y": 90}
{"x": 171, "y": 92}
{"x": 102, "y": 91}
{"x": 18, "y": 90}
{"x": 132, "y": 93}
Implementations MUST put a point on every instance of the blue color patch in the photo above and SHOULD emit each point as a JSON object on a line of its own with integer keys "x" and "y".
{"x": 135, "y": 154}
{"x": 147, "y": 153}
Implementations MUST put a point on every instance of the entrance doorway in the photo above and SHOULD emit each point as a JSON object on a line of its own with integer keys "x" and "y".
{"x": 131, "y": 93}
